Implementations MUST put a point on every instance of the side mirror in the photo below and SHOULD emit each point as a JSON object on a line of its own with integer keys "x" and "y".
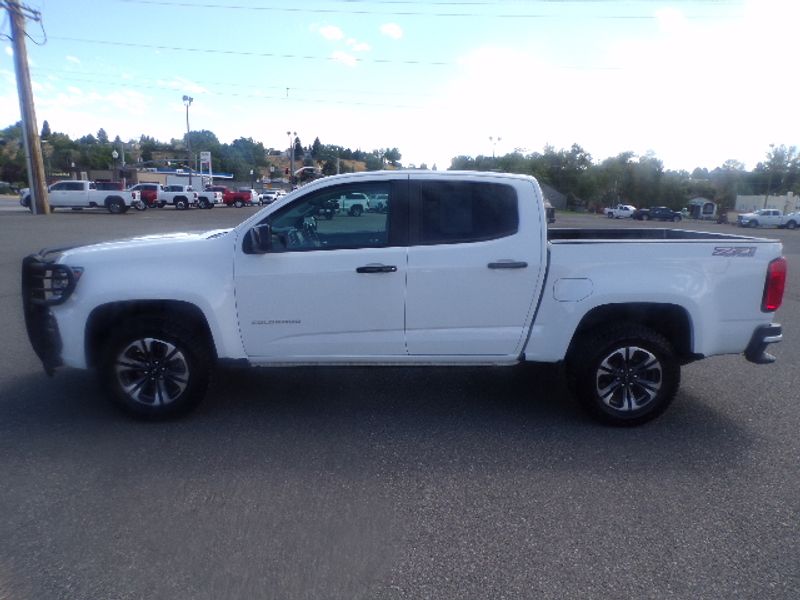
{"x": 258, "y": 240}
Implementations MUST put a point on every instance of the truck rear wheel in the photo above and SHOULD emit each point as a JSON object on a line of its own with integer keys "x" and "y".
{"x": 181, "y": 203}
{"x": 115, "y": 206}
{"x": 624, "y": 374}
{"x": 155, "y": 369}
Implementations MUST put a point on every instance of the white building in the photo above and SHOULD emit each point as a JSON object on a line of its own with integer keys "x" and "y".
{"x": 787, "y": 203}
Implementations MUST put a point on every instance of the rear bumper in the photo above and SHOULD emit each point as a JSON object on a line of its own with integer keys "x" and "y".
{"x": 763, "y": 336}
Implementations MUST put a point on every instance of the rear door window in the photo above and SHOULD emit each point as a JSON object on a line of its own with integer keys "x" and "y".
{"x": 450, "y": 212}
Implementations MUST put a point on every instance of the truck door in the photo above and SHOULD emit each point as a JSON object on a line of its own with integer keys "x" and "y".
{"x": 475, "y": 266}
{"x": 333, "y": 286}
{"x": 67, "y": 193}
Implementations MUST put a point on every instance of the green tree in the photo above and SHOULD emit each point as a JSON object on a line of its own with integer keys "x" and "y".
{"x": 316, "y": 149}
{"x": 45, "y": 130}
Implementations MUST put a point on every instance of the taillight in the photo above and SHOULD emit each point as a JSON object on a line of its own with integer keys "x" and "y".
{"x": 774, "y": 285}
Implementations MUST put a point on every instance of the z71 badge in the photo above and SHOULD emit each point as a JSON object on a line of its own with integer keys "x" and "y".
{"x": 734, "y": 251}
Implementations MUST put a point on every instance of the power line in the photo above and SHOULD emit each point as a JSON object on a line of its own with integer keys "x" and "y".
{"x": 417, "y": 13}
{"x": 247, "y": 53}
{"x": 297, "y": 56}
{"x": 226, "y": 94}
{"x": 68, "y": 76}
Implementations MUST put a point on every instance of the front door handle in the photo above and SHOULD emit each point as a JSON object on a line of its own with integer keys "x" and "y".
{"x": 376, "y": 269}
{"x": 508, "y": 264}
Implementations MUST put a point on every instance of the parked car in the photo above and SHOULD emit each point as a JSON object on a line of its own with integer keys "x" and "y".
{"x": 550, "y": 212}
{"x": 179, "y": 196}
{"x": 268, "y": 196}
{"x": 108, "y": 185}
{"x": 657, "y": 213}
{"x": 238, "y": 198}
{"x": 84, "y": 194}
{"x": 148, "y": 193}
{"x": 792, "y": 220}
{"x": 480, "y": 280}
{"x": 7, "y": 188}
{"x": 353, "y": 203}
{"x": 620, "y": 211}
{"x": 765, "y": 217}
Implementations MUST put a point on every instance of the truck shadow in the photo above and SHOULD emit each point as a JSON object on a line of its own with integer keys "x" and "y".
{"x": 367, "y": 418}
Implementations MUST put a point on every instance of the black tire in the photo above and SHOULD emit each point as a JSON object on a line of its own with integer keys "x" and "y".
{"x": 676, "y": 219}
{"x": 115, "y": 205}
{"x": 753, "y": 224}
{"x": 161, "y": 204}
{"x": 791, "y": 225}
{"x": 204, "y": 203}
{"x": 238, "y": 203}
{"x": 610, "y": 215}
{"x": 646, "y": 217}
{"x": 140, "y": 205}
{"x": 139, "y": 379}
{"x": 181, "y": 203}
{"x": 356, "y": 211}
{"x": 623, "y": 375}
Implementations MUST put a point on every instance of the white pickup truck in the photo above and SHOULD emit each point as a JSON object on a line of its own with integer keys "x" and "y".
{"x": 84, "y": 194}
{"x": 620, "y": 211}
{"x": 769, "y": 217}
{"x": 179, "y": 196}
{"x": 459, "y": 270}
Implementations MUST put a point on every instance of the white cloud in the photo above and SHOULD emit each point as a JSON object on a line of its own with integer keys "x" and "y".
{"x": 331, "y": 33}
{"x": 357, "y": 46}
{"x": 344, "y": 58}
{"x": 182, "y": 84}
{"x": 73, "y": 59}
{"x": 392, "y": 30}
{"x": 74, "y": 90}
{"x": 9, "y": 51}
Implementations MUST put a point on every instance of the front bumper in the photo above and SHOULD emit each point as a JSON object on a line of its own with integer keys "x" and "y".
{"x": 45, "y": 284}
{"x": 763, "y": 336}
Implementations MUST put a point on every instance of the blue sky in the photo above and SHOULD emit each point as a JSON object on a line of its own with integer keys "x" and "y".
{"x": 695, "y": 82}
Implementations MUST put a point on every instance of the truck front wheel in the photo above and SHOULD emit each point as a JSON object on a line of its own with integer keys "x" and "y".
{"x": 155, "y": 369}
{"x": 623, "y": 374}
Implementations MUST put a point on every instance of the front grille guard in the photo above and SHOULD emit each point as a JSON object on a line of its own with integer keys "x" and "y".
{"x": 45, "y": 284}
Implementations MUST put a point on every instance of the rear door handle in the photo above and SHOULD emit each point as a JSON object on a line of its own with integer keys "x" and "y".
{"x": 376, "y": 269}
{"x": 508, "y": 264}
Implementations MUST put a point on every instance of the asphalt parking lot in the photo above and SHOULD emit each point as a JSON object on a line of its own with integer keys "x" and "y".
{"x": 388, "y": 482}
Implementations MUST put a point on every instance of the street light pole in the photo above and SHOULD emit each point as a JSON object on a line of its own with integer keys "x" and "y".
{"x": 769, "y": 175}
{"x": 115, "y": 156}
{"x": 292, "y": 135}
{"x": 187, "y": 101}
{"x": 494, "y": 141}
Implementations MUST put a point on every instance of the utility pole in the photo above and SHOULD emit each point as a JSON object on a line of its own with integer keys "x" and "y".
{"x": 187, "y": 101}
{"x": 30, "y": 136}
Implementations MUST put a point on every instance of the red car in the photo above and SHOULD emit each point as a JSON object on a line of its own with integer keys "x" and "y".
{"x": 148, "y": 193}
{"x": 238, "y": 198}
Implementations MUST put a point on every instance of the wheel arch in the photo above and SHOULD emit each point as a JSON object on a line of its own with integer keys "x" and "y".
{"x": 104, "y": 317}
{"x": 671, "y": 321}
